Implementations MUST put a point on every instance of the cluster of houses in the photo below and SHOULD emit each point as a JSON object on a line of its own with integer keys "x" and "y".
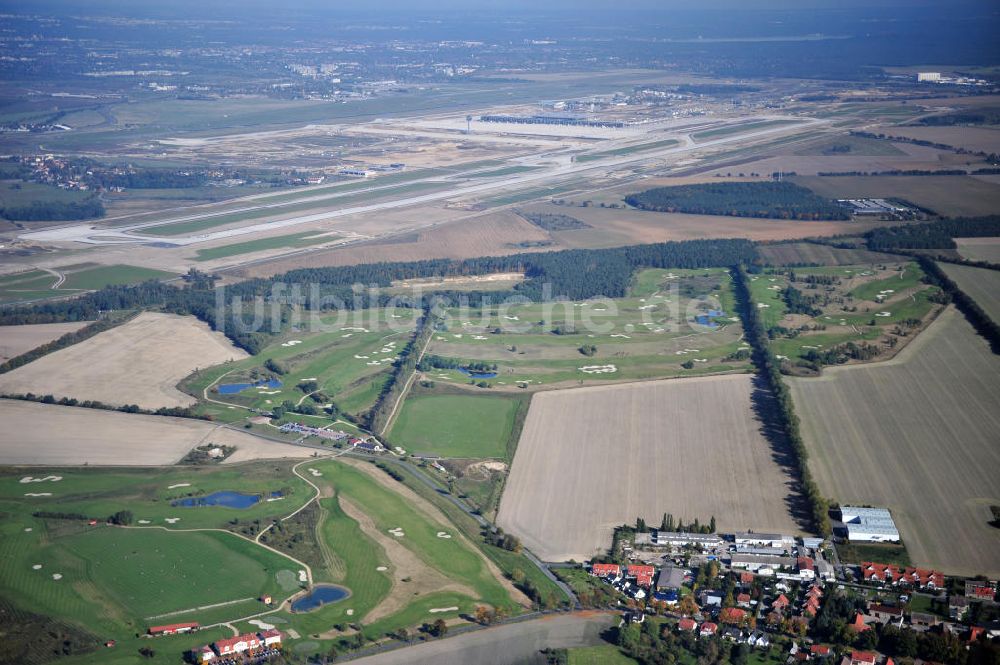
{"x": 888, "y": 574}
{"x": 262, "y": 644}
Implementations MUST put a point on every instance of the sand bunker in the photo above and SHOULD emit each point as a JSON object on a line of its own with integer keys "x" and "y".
{"x": 175, "y": 486}
{"x": 315, "y": 473}
{"x": 397, "y": 532}
{"x": 263, "y": 625}
{"x": 443, "y": 534}
{"x": 381, "y": 569}
{"x": 303, "y": 577}
{"x": 57, "y": 576}
{"x": 171, "y": 520}
{"x": 349, "y": 613}
{"x": 598, "y": 369}
{"x": 435, "y": 610}
{"x": 37, "y": 566}
{"x": 30, "y": 479}
{"x": 38, "y": 494}
{"x": 144, "y": 522}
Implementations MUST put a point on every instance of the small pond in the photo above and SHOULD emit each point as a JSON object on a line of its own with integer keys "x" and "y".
{"x": 706, "y": 318}
{"x": 318, "y": 596}
{"x": 233, "y": 388}
{"x": 477, "y": 375}
{"x": 225, "y": 499}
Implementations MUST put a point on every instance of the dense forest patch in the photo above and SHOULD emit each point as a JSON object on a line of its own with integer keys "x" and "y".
{"x": 780, "y": 200}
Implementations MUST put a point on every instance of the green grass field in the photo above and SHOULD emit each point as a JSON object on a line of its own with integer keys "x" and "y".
{"x": 291, "y": 241}
{"x": 455, "y": 425}
{"x": 348, "y": 356}
{"x": 627, "y": 150}
{"x": 101, "y": 276}
{"x": 650, "y": 334}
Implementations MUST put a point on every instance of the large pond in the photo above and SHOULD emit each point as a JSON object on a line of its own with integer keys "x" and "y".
{"x": 233, "y": 388}
{"x": 318, "y": 596}
{"x": 477, "y": 375}
{"x": 225, "y": 499}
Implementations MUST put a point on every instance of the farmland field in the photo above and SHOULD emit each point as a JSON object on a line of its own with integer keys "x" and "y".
{"x": 455, "y": 425}
{"x": 139, "y": 362}
{"x": 15, "y": 340}
{"x": 51, "y": 434}
{"x": 980, "y": 284}
{"x": 979, "y": 249}
{"x": 590, "y": 459}
{"x": 916, "y": 434}
{"x": 945, "y": 195}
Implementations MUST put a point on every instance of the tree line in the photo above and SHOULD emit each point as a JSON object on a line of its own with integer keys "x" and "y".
{"x": 769, "y": 368}
{"x": 42, "y": 211}
{"x": 939, "y": 234}
{"x": 780, "y": 200}
{"x": 977, "y": 316}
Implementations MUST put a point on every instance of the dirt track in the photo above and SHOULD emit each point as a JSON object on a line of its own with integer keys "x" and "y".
{"x": 917, "y": 434}
{"x": 139, "y": 362}
{"x": 590, "y": 459}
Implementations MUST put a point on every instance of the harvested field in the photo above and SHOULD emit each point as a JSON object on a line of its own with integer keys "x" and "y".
{"x": 47, "y": 434}
{"x": 979, "y": 249}
{"x": 945, "y": 195}
{"x": 139, "y": 362}
{"x": 980, "y": 284}
{"x": 510, "y": 644}
{"x": 806, "y": 253}
{"x": 918, "y": 435}
{"x": 15, "y": 340}
{"x": 984, "y": 139}
{"x": 590, "y": 459}
{"x": 615, "y": 227}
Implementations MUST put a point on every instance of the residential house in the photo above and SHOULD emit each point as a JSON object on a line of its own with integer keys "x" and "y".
{"x": 780, "y": 603}
{"x": 606, "y": 570}
{"x": 922, "y": 620}
{"x": 687, "y": 624}
{"x": 643, "y": 574}
{"x": 820, "y": 651}
{"x": 759, "y": 638}
{"x": 807, "y": 568}
{"x": 743, "y": 600}
{"x": 670, "y": 578}
{"x": 885, "y": 613}
{"x": 979, "y": 590}
{"x": 732, "y": 634}
{"x": 732, "y": 615}
{"x": 860, "y": 625}
{"x": 958, "y": 607}
{"x": 863, "y": 658}
{"x": 711, "y": 598}
{"x": 708, "y": 629}
{"x": 238, "y": 644}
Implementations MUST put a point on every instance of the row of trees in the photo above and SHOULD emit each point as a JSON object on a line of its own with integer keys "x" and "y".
{"x": 980, "y": 320}
{"x": 378, "y": 417}
{"x": 68, "y": 339}
{"x": 781, "y": 200}
{"x": 769, "y": 368}
{"x": 933, "y": 235}
{"x": 43, "y": 211}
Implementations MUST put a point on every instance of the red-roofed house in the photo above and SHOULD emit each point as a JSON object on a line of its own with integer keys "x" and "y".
{"x": 974, "y": 633}
{"x": 643, "y": 574}
{"x": 780, "y": 603}
{"x": 814, "y": 592}
{"x": 743, "y": 600}
{"x": 687, "y": 624}
{"x": 923, "y": 578}
{"x": 807, "y": 568}
{"x": 238, "y": 644}
{"x": 746, "y": 578}
{"x": 271, "y": 637}
{"x": 606, "y": 570}
{"x": 732, "y": 615}
{"x": 859, "y": 625}
{"x": 708, "y": 629}
{"x": 811, "y": 607}
{"x": 862, "y": 658}
{"x": 820, "y": 650}
{"x": 979, "y": 590}
{"x": 172, "y": 629}
{"x": 880, "y": 572}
